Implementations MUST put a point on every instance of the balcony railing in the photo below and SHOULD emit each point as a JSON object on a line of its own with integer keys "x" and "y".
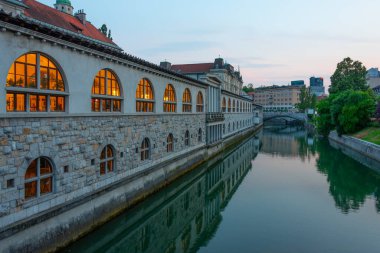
{"x": 214, "y": 117}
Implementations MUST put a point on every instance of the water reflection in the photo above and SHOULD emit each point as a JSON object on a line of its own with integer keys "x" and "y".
{"x": 182, "y": 217}
{"x": 350, "y": 182}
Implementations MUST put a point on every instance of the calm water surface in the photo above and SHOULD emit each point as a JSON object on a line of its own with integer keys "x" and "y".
{"x": 280, "y": 191}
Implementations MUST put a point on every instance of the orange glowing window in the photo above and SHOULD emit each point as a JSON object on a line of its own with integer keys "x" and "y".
{"x": 38, "y": 179}
{"x": 106, "y": 95}
{"x": 170, "y": 102}
{"x": 23, "y": 74}
{"x": 144, "y": 96}
{"x": 186, "y": 101}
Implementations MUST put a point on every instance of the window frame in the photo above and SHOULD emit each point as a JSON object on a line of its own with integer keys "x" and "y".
{"x": 170, "y": 99}
{"x": 38, "y": 178}
{"x": 145, "y": 103}
{"x": 55, "y": 87}
{"x": 107, "y": 159}
{"x": 145, "y": 150}
{"x": 104, "y": 100}
{"x": 200, "y": 106}
{"x": 187, "y": 138}
{"x": 187, "y": 105}
{"x": 170, "y": 143}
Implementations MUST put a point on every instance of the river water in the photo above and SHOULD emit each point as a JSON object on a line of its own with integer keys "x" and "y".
{"x": 279, "y": 191}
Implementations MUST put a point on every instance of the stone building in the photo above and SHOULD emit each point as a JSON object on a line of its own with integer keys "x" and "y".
{"x": 278, "y": 98}
{"x": 227, "y": 110}
{"x": 86, "y": 129}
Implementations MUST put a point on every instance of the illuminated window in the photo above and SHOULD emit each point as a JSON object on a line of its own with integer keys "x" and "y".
{"x": 186, "y": 101}
{"x": 38, "y": 179}
{"x": 187, "y": 138}
{"x": 229, "y": 105}
{"x": 224, "y": 105}
{"x": 144, "y": 96}
{"x": 199, "y": 102}
{"x": 106, "y": 96}
{"x": 107, "y": 160}
{"x": 28, "y": 91}
{"x": 170, "y": 102}
{"x": 170, "y": 143}
{"x": 145, "y": 149}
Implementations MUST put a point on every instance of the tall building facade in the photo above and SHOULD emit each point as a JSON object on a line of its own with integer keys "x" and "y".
{"x": 373, "y": 79}
{"x": 278, "y": 98}
{"x": 317, "y": 87}
{"x": 87, "y": 129}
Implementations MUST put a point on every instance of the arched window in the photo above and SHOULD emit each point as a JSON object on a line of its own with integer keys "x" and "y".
{"x": 170, "y": 143}
{"x": 186, "y": 101}
{"x": 187, "y": 138}
{"x": 229, "y": 127}
{"x": 241, "y": 106}
{"x": 199, "y": 102}
{"x": 144, "y": 96}
{"x": 200, "y": 135}
{"x": 229, "y": 105}
{"x": 145, "y": 149}
{"x": 233, "y": 106}
{"x": 170, "y": 101}
{"x": 224, "y": 105}
{"x": 107, "y": 160}
{"x": 105, "y": 92}
{"x": 34, "y": 84}
{"x": 38, "y": 178}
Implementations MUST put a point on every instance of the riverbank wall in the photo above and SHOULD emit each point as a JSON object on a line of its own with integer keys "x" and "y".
{"x": 54, "y": 228}
{"x": 364, "y": 152}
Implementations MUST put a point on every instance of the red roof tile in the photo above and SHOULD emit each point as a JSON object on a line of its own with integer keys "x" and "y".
{"x": 57, "y": 18}
{"x": 193, "y": 68}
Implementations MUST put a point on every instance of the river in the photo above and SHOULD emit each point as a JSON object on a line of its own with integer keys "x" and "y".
{"x": 279, "y": 191}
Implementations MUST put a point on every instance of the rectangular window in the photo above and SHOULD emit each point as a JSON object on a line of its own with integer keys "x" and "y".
{"x": 116, "y": 105}
{"x": 57, "y": 104}
{"x": 106, "y": 105}
{"x": 33, "y": 103}
{"x": 42, "y": 103}
{"x": 46, "y": 185}
{"x": 95, "y": 105}
{"x": 31, "y": 190}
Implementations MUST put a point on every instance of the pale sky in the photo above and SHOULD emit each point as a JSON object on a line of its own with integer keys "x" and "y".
{"x": 273, "y": 41}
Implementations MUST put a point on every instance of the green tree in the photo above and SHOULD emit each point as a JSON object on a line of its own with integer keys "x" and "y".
{"x": 248, "y": 89}
{"x": 104, "y": 29}
{"x": 351, "y": 111}
{"x": 349, "y": 75}
{"x": 324, "y": 121}
{"x": 307, "y": 100}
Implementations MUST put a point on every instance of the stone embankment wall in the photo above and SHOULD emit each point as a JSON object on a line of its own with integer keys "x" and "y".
{"x": 82, "y": 198}
{"x": 362, "y": 151}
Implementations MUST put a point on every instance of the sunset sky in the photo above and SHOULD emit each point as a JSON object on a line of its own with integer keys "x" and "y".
{"x": 273, "y": 41}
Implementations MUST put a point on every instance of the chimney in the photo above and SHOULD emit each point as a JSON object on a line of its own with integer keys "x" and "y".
{"x": 81, "y": 15}
{"x": 166, "y": 65}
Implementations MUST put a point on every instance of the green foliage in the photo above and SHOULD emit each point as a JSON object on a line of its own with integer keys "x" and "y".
{"x": 349, "y": 75}
{"x": 248, "y": 89}
{"x": 324, "y": 121}
{"x": 351, "y": 111}
{"x": 348, "y": 112}
{"x": 104, "y": 29}
{"x": 307, "y": 100}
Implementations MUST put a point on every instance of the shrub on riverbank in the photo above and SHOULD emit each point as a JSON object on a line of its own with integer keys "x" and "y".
{"x": 347, "y": 112}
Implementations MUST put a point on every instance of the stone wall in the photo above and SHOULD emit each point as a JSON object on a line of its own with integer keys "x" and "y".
{"x": 367, "y": 149}
{"x": 73, "y": 145}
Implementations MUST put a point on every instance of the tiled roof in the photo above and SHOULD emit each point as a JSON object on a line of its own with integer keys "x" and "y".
{"x": 193, "y": 68}
{"x": 54, "y": 17}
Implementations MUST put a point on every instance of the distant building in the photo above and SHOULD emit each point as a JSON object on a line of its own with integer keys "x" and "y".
{"x": 298, "y": 83}
{"x": 278, "y": 98}
{"x": 373, "y": 78}
{"x": 316, "y": 86}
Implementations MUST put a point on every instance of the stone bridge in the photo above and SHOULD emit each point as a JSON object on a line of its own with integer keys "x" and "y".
{"x": 285, "y": 115}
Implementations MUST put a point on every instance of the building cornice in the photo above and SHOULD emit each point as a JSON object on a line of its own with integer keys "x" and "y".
{"x": 69, "y": 41}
